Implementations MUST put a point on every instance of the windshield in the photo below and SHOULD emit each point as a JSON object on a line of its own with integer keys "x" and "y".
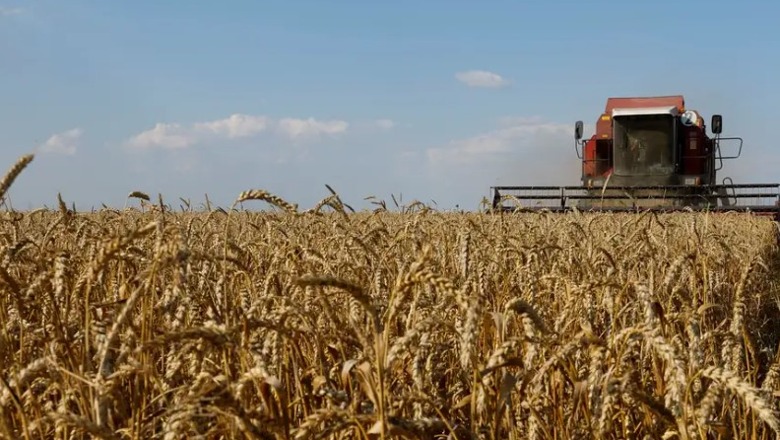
{"x": 644, "y": 145}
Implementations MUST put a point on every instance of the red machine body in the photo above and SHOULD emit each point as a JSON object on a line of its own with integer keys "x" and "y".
{"x": 694, "y": 155}
{"x": 648, "y": 153}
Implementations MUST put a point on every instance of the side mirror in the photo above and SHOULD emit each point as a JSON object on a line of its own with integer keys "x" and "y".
{"x": 717, "y": 124}
{"x": 578, "y": 130}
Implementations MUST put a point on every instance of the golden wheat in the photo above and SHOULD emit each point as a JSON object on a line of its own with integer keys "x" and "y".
{"x": 333, "y": 324}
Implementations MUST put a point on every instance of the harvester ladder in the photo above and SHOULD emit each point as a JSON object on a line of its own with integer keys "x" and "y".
{"x": 724, "y": 193}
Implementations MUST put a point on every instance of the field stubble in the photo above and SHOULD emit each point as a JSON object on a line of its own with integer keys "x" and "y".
{"x": 329, "y": 324}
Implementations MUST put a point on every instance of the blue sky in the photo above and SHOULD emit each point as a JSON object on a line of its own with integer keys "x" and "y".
{"x": 433, "y": 100}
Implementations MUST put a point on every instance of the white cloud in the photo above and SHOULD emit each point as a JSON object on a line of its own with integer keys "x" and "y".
{"x": 296, "y": 128}
{"x": 521, "y": 151}
{"x": 7, "y": 12}
{"x": 235, "y": 126}
{"x": 518, "y": 151}
{"x": 62, "y": 143}
{"x": 510, "y": 121}
{"x": 518, "y": 137}
{"x": 481, "y": 78}
{"x": 385, "y": 124}
{"x": 169, "y": 136}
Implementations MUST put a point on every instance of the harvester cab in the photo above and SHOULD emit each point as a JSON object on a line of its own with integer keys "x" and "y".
{"x": 648, "y": 153}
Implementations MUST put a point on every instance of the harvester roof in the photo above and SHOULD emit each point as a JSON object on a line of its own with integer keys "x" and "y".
{"x": 642, "y": 102}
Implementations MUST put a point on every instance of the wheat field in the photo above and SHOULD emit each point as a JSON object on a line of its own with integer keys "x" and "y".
{"x": 163, "y": 323}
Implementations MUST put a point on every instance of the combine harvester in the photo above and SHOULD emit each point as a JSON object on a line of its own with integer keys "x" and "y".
{"x": 648, "y": 153}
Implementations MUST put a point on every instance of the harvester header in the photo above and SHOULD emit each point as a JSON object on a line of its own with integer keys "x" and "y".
{"x": 648, "y": 153}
